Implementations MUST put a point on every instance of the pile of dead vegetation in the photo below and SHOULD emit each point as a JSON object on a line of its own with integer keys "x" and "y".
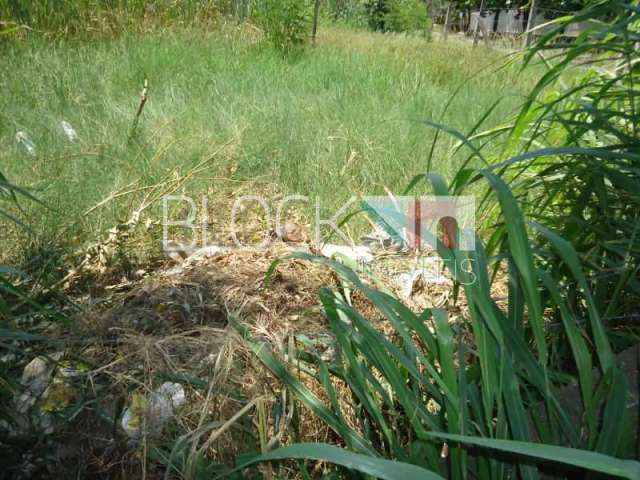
{"x": 153, "y": 374}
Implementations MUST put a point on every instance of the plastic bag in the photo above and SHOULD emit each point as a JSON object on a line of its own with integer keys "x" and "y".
{"x": 26, "y": 143}
{"x": 69, "y": 131}
{"x": 150, "y": 415}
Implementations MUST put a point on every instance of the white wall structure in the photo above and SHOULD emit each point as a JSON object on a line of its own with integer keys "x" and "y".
{"x": 486, "y": 22}
{"x": 575, "y": 29}
{"x": 510, "y": 21}
{"x": 513, "y": 21}
{"x": 540, "y": 19}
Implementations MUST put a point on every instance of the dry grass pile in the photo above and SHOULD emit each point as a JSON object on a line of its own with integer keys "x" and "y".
{"x": 173, "y": 326}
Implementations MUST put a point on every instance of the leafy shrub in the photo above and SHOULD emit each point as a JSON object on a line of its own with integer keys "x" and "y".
{"x": 540, "y": 371}
{"x": 286, "y": 23}
{"x": 407, "y": 387}
{"x": 407, "y": 16}
{"x": 396, "y": 15}
{"x": 377, "y": 11}
{"x": 351, "y": 12}
{"x": 571, "y": 155}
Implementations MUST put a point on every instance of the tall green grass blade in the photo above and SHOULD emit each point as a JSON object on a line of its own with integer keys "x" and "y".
{"x": 460, "y": 136}
{"x": 616, "y": 414}
{"x": 379, "y": 351}
{"x": 520, "y": 251}
{"x": 607, "y": 153}
{"x": 358, "y": 375}
{"x": 518, "y": 421}
{"x": 568, "y": 255}
{"x": 397, "y": 314}
{"x": 581, "y": 354}
{"x": 450, "y": 377}
{"x": 592, "y": 461}
{"x": 302, "y": 392}
{"x": 376, "y": 467}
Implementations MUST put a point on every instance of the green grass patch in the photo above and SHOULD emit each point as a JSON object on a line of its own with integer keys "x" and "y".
{"x": 341, "y": 119}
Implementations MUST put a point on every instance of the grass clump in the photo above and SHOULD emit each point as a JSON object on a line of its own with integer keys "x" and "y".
{"x": 286, "y": 23}
{"x": 571, "y": 155}
{"x": 349, "y": 114}
{"x": 105, "y": 18}
{"x": 536, "y": 378}
{"x": 540, "y": 376}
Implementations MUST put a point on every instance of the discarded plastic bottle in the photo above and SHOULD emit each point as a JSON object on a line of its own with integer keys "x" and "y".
{"x": 25, "y": 142}
{"x": 69, "y": 131}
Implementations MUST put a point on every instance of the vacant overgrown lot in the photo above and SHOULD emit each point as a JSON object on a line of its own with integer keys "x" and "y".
{"x": 337, "y": 120}
{"x": 525, "y": 347}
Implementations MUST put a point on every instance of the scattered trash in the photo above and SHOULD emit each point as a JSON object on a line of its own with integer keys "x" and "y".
{"x": 36, "y": 375}
{"x": 411, "y": 282}
{"x": 69, "y": 131}
{"x": 175, "y": 251}
{"x": 61, "y": 392}
{"x": 149, "y": 416}
{"x": 48, "y": 384}
{"x": 179, "y": 253}
{"x": 294, "y": 233}
{"x": 360, "y": 254}
{"x": 8, "y": 357}
{"x": 379, "y": 239}
{"x": 25, "y": 142}
{"x": 433, "y": 407}
{"x": 58, "y": 396}
{"x": 67, "y": 369}
{"x": 207, "y": 252}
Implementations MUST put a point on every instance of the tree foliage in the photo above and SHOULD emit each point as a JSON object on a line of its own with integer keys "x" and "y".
{"x": 396, "y": 15}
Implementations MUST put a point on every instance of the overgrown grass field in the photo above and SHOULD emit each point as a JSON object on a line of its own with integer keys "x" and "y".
{"x": 522, "y": 362}
{"x": 340, "y": 119}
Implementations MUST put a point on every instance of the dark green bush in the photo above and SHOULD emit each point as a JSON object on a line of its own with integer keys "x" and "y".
{"x": 396, "y": 15}
{"x": 286, "y": 23}
{"x": 572, "y": 154}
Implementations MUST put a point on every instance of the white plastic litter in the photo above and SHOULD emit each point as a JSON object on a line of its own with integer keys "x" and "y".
{"x": 25, "y": 142}
{"x": 358, "y": 254}
{"x": 409, "y": 282}
{"x": 171, "y": 393}
{"x": 414, "y": 280}
{"x": 379, "y": 239}
{"x": 151, "y": 415}
{"x": 36, "y": 375}
{"x": 206, "y": 252}
{"x": 69, "y": 131}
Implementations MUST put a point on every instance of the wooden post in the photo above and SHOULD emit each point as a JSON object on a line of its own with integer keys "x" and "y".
{"x": 532, "y": 14}
{"x": 445, "y": 28}
{"x": 475, "y": 32}
{"x": 316, "y": 13}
